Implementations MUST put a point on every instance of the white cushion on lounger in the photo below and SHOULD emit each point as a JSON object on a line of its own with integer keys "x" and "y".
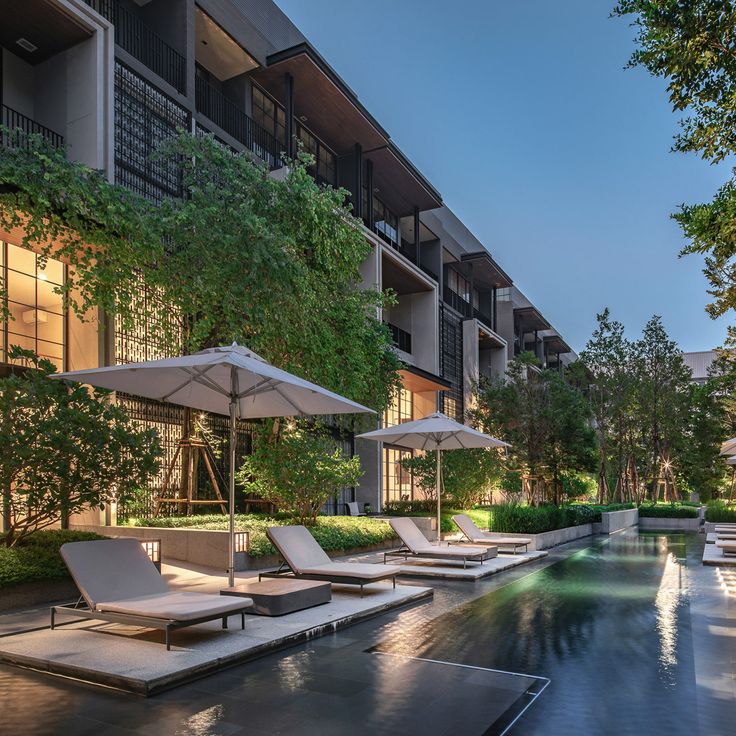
{"x": 410, "y": 535}
{"x": 179, "y": 606}
{"x": 469, "y": 528}
{"x": 298, "y": 547}
{"x": 353, "y": 570}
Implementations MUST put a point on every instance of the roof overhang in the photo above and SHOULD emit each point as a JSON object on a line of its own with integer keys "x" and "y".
{"x": 486, "y": 270}
{"x": 331, "y": 108}
{"x": 556, "y": 344}
{"x": 399, "y": 183}
{"x": 531, "y": 319}
{"x": 48, "y": 26}
{"x": 488, "y": 338}
{"x": 416, "y": 380}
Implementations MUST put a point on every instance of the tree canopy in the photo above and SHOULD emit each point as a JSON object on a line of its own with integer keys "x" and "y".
{"x": 271, "y": 262}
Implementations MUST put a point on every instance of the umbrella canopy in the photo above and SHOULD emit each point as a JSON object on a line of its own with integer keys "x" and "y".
{"x": 435, "y": 432}
{"x": 227, "y": 380}
{"x": 729, "y": 447}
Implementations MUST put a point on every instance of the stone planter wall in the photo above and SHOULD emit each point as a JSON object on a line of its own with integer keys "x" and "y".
{"x": 24, "y": 595}
{"x": 545, "y": 540}
{"x": 688, "y": 525}
{"x": 613, "y": 521}
{"x": 206, "y": 547}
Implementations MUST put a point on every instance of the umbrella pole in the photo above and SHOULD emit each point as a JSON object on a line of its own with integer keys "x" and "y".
{"x": 231, "y": 500}
{"x": 439, "y": 487}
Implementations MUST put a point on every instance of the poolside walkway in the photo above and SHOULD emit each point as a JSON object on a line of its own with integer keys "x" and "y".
{"x": 135, "y": 660}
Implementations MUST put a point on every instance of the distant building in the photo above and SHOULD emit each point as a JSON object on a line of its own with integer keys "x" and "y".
{"x": 699, "y": 363}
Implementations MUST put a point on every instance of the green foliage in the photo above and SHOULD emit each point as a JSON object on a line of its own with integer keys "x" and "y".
{"x": 480, "y": 515}
{"x": 64, "y": 448}
{"x": 720, "y": 511}
{"x": 667, "y": 511}
{"x": 594, "y": 511}
{"x": 467, "y": 475}
{"x": 37, "y": 556}
{"x": 297, "y": 468}
{"x": 243, "y": 256}
{"x": 691, "y": 44}
{"x": 334, "y": 533}
{"x": 546, "y": 420}
{"x": 518, "y": 519}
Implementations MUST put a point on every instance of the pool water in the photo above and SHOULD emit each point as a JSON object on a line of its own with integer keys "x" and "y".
{"x": 598, "y": 642}
{"x": 609, "y": 626}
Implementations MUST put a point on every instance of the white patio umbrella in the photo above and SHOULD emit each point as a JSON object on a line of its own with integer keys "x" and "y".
{"x": 435, "y": 432}
{"x": 227, "y": 380}
{"x": 729, "y": 447}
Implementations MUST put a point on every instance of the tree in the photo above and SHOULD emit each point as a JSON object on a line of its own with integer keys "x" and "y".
{"x": 243, "y": 256}
{"x": 545, "y": 419}
{"x": 663, "y": 397}
{"x": 64, "y": 448}
{"x": 692, "y": 44}
{"x": 608, "y": 381}
{"x": 467, "y": 475}
{"x": 297, "y": 467}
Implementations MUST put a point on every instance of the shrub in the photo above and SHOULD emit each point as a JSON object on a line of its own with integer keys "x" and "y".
{"x": 536, "y": 519}
{"x": 333, "y": 533}
{"x": 720, "y": 511}
{"x": 667, "y": 511}
{"x": 598, "y": 509}
{"x": 36, "y": 557}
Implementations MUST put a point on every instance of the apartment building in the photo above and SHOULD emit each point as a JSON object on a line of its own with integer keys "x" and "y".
{"x": 111, "y": 79}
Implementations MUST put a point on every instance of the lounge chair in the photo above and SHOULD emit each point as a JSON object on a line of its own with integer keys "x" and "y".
{"x": 304, "y": 558}
{"x": 477, "y": 536}
{"x": 727, "y": 547}
{"x": 353, "y": 509}
{"x": 415, "y": 544}
{"x": 119, "y": 583}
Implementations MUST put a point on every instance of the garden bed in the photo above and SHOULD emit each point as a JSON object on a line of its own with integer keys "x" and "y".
{"x": 669, "y": 516}
{"x": 203, "y": 540}
{"x": 33, "y": 572}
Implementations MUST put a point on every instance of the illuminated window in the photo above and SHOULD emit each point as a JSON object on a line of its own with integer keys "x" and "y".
{"x": 398, "y": 484}
{"x": 401, "y": 410}
{"x": 38, "y": 322}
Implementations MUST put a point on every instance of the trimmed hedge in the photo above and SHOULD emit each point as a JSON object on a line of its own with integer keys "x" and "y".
{"x": 598, "y": 509}
{"x": 480, "y": 515}
{"x": 667, "y": 511}
{"x": 515, "y": 519}
{"x": 720, "y": 511}
{"x": 37, "y": 557}
{"x": 334, "y": 533}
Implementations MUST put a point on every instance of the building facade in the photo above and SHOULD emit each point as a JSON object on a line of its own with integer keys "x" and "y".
{"x": 111, "y": 79}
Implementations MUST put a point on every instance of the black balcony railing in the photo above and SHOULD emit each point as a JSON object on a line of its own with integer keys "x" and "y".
{"x": 484, "y": 317}
{"x": 142, "y": 43}
{"x": 13, "y": 120}
{"x": 402, "y": 338}
{"x": 429, "y": 272}
{"x": 457, "y": 302}
{"x": 228, "y": 116}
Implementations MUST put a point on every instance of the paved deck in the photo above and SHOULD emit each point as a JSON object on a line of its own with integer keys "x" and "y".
{"x": 713, "y": 555}
{"x": 135, "y": 660}
{"x": 451, "y": 570}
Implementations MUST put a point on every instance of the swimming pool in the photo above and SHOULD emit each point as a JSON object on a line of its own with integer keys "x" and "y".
{"x": 597, "y": 642}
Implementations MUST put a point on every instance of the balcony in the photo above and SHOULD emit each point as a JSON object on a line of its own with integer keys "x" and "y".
{"x": 14, "y": 120}
{"x": 401, "y": 338}
{"x": 457, "y": 302}
{"x": 228, "y": 116}
{"x": 142, "y": 43}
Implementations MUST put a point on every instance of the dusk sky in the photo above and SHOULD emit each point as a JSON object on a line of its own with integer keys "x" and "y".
{"x": 554, "y": 156}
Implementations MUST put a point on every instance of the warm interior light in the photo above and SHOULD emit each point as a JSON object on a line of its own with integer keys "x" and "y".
{"x": 242, "y": 541}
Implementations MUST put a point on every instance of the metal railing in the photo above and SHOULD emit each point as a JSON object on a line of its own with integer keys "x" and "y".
{"x": 144, "y": 44}
{"x": 228, "y": 116}
{"x": 14, "y": 120}
{"x": 457, "y": 302}
{"x": 401, "y": 338}
{"x": 486, "y": 319}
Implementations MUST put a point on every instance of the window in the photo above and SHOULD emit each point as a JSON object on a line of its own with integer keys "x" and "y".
{"x": 38, "y": 322}
{"x": 398, "y": 484}
{"x": 269, "y": 115}
{"x": 385, "y": 222}
{"x": 401, "y": 410}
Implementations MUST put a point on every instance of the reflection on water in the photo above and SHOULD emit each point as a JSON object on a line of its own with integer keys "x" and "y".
{"x": 667, "y": 601}
{"x": 609, "y": 626}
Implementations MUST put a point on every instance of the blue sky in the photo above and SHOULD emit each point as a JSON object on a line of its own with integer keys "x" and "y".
{"x": 558, "y": 159}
